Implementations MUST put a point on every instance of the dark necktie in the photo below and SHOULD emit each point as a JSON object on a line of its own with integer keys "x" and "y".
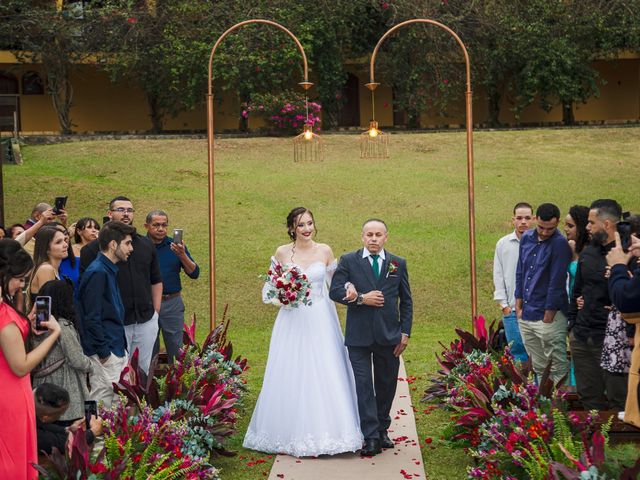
{"x": 375, "y": 266}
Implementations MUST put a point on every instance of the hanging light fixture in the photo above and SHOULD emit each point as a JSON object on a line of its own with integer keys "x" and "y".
{"x": 374, "y": 143}
{"x": 307, "y": 147}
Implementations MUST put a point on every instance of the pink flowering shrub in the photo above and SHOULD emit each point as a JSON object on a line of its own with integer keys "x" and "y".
{"x": 285, "y": 113}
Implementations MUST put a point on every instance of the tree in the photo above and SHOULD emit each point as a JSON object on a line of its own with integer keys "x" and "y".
{"x": 163, "y": 48}
{"x": 40, "y": 34}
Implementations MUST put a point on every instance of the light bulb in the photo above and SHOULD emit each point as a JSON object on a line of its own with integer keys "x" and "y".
{"x": 308, "y": 135}
{"x": 373, "y": 132}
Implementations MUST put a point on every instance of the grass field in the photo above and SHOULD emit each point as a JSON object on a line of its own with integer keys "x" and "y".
{"x": 420, "y": 191}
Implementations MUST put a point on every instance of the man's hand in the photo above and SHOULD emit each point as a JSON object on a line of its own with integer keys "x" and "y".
{"x": 47, "y": 216}
{"x": 404, "y": 341}
{"x": 616, "y": 255}
{"x": 580, "y": 302}
{"x": 62, "y": 217}
{"x": 352, "y": 293}
{"x": 549, "y": 315}
{"x": 95, "y": 425}
{"x": 178, "y": 249}
{"x": 506, "y": 310}
{"x": 519, "y": 308}
{"x": 374, "y": 298}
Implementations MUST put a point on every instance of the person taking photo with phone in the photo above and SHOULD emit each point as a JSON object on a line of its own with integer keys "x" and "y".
{"x": 65, "y": 365}
{"x": 18, "y": 426}
{"x": 173, "y": 257}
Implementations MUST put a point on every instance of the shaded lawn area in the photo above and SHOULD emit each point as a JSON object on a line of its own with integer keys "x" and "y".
{"x": 420, "y": 191}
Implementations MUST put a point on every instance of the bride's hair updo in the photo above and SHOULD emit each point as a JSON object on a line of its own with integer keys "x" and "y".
{"x": 292, "y": 220}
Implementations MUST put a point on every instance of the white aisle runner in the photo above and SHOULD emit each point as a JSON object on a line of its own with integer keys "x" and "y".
{"x": 403, "y": 462}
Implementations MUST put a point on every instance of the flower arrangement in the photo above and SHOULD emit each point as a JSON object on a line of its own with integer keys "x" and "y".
{"x": 512, "y": 427}
{"x": 393, "y": 268}
{"x": 169, "y": 424}
{"x": 287, "y": 286}
{"x": 286, "y": 112}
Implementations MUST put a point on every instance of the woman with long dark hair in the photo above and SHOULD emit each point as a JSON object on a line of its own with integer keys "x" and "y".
{"x": 66, "y": 364}
{"x": 49, "y": 251}
{"x": 18, "y": 446}
{"x": 575, "y": 229}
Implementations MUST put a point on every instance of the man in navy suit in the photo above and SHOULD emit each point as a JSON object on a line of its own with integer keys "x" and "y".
{"x": 374, "y": 284}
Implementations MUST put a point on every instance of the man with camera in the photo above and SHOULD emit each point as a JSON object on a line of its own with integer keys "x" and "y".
{"x": 598, "y": 389}
{"x": 140, "y": 285}
{"x": 173, "y": 257}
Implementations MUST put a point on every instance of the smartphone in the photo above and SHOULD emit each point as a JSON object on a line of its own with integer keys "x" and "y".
{"x": 625, "y": 229}
{"x": 59, "y": 204}
{"x": 90, "y": 408}
{"x": 177, "y": 235}
{"x": 43, "y": 311}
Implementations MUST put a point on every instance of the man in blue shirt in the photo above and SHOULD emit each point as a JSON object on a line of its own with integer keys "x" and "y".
{"x": 541, "y": 293}
{"x": 101, "y": 311}
{"x": 173, "y": 256}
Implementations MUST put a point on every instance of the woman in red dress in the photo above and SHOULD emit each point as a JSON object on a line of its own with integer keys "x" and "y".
{"x": 17, "y": 412}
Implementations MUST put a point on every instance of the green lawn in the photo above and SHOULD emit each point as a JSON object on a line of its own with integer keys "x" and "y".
{"x": 420, "y": 191}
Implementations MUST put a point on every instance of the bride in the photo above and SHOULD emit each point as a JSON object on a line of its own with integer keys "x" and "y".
{"x": 307, "y": 406}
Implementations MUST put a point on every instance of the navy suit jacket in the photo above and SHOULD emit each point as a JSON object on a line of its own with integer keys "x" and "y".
{"x": 368, "y": 325}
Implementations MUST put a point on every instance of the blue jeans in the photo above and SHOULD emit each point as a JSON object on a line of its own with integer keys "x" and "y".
{"x": 512, "y": 332}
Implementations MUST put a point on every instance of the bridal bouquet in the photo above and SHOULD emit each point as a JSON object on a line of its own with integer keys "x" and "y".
{"x": 287, "y": 286}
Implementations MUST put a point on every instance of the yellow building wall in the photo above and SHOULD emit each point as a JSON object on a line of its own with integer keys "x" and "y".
{"x": 101, "y": 106}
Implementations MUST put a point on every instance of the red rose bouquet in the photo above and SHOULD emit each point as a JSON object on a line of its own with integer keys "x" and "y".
{"x": 286, "y": 286}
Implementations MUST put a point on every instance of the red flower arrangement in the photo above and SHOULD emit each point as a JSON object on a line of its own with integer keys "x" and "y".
{"x": 287, "y": 286}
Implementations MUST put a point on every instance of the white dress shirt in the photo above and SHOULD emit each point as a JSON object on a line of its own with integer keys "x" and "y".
{"x": 505, "y": 262}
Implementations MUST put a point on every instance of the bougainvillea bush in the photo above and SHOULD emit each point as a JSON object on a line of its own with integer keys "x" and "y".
{"x": 285, "y": 113}
{"x": 513, "y": 426}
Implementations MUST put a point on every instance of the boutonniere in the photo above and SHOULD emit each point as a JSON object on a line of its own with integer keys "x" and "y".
{"x": 393, "y": 268}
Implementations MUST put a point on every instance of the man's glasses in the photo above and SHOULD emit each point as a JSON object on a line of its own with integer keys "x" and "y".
{"x": 123, "y": 210}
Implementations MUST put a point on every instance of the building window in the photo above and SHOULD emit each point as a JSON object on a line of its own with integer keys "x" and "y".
{"x": 32, "y": 84}
{"x": 8, "y": 84}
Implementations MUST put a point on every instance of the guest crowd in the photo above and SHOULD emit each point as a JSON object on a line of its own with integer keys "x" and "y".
{"x": 111, "y": 291}
{"x": 557, "y": 290}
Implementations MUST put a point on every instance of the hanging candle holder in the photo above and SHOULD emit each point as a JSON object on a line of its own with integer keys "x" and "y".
{"x": 374, "y": 143}
{"x": 307, "y": 147}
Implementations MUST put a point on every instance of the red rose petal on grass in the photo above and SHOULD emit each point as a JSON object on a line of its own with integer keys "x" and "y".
{"x": 428, "y": 440}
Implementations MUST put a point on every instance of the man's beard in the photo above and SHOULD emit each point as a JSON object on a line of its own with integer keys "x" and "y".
{"x": 599, "y": 238}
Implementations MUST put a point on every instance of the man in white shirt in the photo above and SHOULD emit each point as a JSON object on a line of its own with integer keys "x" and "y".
{"x": 505, "y": 262}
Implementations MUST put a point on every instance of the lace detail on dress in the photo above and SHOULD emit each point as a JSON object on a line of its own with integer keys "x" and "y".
{"x": 306, "y": 446}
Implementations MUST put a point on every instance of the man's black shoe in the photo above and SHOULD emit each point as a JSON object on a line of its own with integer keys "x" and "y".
{"x": 371, "y": 447}
{"x": 385, "y": 441}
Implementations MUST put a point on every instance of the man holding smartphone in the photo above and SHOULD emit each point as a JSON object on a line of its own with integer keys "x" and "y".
{"x": 102, "y": 312}
{"x": 173, "y": 257}
{"x": 140, "y": 284}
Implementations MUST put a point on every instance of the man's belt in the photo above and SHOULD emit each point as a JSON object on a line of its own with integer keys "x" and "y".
{"x": 169, "y": 296}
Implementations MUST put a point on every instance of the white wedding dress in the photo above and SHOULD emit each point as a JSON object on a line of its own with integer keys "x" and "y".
{"x": 307, "y": 406}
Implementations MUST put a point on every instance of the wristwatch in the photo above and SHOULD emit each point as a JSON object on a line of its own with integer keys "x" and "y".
{"x": 360, "y": 299}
